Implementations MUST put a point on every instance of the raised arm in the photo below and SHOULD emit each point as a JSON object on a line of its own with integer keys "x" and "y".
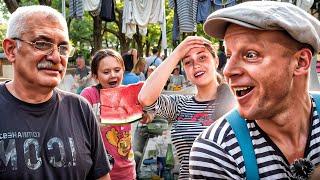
{"x": 134, "y": 53}
{"x": 155, "y": 83}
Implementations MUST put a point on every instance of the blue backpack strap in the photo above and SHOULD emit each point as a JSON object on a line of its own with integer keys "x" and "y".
{"x": 316, "y": 98}
{"x": 241, "y": 131}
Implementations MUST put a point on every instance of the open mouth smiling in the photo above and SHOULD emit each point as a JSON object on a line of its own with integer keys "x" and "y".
{"x": 197, "y": 74}
{"x": 242, "y": 91}
{"x": 113, "y": 83}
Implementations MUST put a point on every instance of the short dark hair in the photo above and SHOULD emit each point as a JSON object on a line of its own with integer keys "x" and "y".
{"x": 128, "y": 62}
{"x": 155, "y": 50}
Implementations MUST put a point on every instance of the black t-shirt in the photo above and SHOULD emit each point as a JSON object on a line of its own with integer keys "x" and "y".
{"x": 57, "y": 139}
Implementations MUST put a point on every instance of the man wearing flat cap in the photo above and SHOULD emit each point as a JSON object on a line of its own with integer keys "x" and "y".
{"x": 269, "y": 46}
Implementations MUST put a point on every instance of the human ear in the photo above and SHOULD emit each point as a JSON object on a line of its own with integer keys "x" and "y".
{"x": 216, "y": 60}
{"x": 217, "y": 63}
{"x": 304, "y": 57}
{"x": 9, "y": 48}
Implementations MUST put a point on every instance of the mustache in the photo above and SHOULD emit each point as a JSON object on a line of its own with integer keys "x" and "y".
{"x": 45, "y": 64}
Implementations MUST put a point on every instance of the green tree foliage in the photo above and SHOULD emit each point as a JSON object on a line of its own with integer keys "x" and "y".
{"x": 80, "y": 33}
{"x": 3, "y": 28}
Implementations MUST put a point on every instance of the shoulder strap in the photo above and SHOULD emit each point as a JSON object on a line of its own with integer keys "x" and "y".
{"x": 153, "y": 61}
{"x": 316, "y": 97}
{"x": 241, "y": 131}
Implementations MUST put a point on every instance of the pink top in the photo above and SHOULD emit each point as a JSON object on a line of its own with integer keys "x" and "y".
{"x": 318, "y": 66}
{"x": 117, "y": 140}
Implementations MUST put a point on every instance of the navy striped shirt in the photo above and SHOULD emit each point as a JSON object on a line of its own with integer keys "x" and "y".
{"x": 216, "y": 153}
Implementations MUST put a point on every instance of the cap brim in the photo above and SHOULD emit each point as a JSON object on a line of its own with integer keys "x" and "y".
{"x": 216, "y": 27}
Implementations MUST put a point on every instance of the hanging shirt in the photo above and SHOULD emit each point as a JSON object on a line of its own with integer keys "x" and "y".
{"x": 141, "y": 13}
{"x": 163, "y": 26}
{"x": 76, "y": 9}
{"x": 175, "y": 26}
{"x": 219, "y": 4}
{"x": 107, "y": 11}
{"x": 91, "y": 5}
{"x": 187, "y": 13}
{"x": 204, "y": 9}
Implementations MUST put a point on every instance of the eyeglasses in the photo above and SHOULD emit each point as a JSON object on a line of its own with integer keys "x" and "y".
{"x": 48, "y": 47}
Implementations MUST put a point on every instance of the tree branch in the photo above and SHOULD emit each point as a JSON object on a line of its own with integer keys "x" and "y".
{"x": 45, "y": 2}
{"x": 112, "y": 31}
{"x": 12, "y": 5}
{"x": 104, "y": 29}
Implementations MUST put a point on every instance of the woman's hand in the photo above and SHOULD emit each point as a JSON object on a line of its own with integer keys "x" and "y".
{"x": 134, "y": 53}
{"x": 188, "y": 43}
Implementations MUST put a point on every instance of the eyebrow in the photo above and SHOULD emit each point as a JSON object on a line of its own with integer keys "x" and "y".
{"x": 46, "y": 38}
{"x": 42, "y": 37}
{"x": 199, "y": 52}
{"x": 112, "y": 68}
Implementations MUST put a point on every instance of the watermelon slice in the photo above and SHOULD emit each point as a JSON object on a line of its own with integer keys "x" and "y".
{"x": 120, "y": 105}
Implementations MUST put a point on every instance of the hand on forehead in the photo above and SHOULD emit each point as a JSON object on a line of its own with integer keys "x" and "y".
{"x": 197, "y": 40}
{"x": 197, "y": 50}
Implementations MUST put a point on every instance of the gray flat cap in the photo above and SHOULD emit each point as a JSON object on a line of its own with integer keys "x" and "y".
{"x": 267, "y": 15}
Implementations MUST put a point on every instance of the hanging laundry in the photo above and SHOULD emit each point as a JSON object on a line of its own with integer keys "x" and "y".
{"x": 128, "y": 22}
{"x": 219, "y": 4}
{"x": 76, "y": 9}
{"x": 204, "y": 9}
{"x": 107, "y": 12}
{"x": 163, "y": 26}
{"x": 97, "y": 11}
{"x": 141, "y": 13}
{"x": 91, "y": 5}
{"x": 175, "y": 27}
{"x": 187, "y": 14}
{"x": 184, "y": 19}
{"x": 305, "y": 4}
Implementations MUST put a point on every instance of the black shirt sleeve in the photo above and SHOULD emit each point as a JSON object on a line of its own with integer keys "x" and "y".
{"x": 101, "y": 165}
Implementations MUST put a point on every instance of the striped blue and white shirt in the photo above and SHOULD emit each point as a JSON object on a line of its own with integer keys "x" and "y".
{"x": 216, "y": 153}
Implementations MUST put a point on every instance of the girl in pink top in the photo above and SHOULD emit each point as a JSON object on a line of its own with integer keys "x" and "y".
{"x": 107, "y": 67}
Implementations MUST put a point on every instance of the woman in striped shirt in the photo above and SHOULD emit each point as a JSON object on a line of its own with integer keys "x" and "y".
{"x": 190, "y": 114}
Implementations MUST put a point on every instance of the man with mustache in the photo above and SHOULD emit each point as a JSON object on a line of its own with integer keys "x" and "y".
{"x": 45, "y": 133}
{"x": 269, "y": 48}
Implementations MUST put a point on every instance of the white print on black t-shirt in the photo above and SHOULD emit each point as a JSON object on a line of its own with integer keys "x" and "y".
{"x": 32, "y": 148}
{"x": 15, "y": 135}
